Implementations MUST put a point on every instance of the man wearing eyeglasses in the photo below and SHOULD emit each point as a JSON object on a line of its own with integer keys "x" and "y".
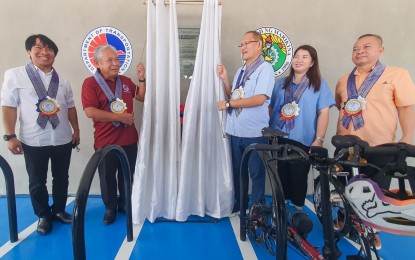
{"x": 247, "y": 111}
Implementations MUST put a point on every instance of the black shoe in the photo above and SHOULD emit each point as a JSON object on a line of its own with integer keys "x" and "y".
{"x": 63, "y": 217}
{"x": 109, "y": 216}
{"x": 44, "y": 225}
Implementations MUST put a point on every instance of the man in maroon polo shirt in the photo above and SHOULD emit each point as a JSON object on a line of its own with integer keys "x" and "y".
{"x": 107, "y": 99}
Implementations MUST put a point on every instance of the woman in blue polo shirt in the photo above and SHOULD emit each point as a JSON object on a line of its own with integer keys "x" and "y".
{"x": 300, "y": 106}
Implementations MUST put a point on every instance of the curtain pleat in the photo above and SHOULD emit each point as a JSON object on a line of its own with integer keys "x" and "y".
{"x": 156, "y": 174}
{"x": 205, "y": 183}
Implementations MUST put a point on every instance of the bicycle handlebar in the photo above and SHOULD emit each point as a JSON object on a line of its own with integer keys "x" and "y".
{"x": 355, "y": 164}
{"x": 285, "y": 149}
{"x": 392, "y": 149}
{"x": 319, "y": 155}
{"x": 389, "y": 149}
{"x": 395, "y": 167}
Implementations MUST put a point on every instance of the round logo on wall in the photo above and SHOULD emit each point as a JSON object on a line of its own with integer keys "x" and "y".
{"x": 277, "y": 50}
{"x": 107, "y": 35}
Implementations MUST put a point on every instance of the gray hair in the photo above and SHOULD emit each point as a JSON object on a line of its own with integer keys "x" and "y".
{"x": 98, "y": 51}
{"x": 378, "y": 37}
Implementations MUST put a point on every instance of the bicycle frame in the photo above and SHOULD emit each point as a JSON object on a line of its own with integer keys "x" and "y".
{"x": 284, "y": 232}
{"x": 352, "y": 225}
{"x": 394, "y": 212}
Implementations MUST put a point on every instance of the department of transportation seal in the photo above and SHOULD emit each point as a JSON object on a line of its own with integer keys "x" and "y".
{"x": 107, "y": 35}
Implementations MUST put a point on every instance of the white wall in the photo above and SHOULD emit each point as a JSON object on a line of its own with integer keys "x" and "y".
{"x": 331, "y": 26}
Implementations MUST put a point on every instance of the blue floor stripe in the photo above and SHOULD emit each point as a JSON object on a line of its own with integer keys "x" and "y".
{"x": 187, "y": 241}
{"x": 102, "y": 241}
{"x": 24, "y": 216}
{"x": 37, "y": 246}
{"x": 397, "y": 246}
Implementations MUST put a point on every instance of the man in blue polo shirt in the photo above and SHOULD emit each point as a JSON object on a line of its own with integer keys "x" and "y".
{"x": 247, "y": 110}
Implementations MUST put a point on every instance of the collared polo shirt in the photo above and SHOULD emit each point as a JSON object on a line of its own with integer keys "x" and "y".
{"x": 18, "y": 91}
{"x": 394, "y": 88}
{"x": 105, "y": 132}
{"x": 310, "y": 103}
{"x": 252, "y": 120}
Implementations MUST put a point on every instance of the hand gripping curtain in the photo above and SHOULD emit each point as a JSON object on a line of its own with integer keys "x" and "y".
{"x": 156, "y": 173}
{"x": 205, "y": 183}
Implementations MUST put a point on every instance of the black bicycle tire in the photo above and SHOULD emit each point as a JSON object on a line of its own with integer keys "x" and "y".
{"x": 279, "y": 214}
{"x": 339, "y": 188}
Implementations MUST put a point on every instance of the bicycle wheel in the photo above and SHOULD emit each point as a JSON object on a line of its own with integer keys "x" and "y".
{"x": 279, "y": 216}
{"x": 278, "y": 222}
{"x": 340, "y": 210}
{"x": 267, "y": 226}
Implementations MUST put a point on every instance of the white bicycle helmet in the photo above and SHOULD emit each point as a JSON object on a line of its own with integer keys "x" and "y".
{"x": 378, "y": 210}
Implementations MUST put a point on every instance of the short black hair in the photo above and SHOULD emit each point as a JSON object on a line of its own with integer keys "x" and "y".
{"x": 31, "y": 41}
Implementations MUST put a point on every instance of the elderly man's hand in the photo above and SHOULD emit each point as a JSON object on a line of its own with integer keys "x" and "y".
{"x": 141, "y": 72}
{"x": 222, "y": 73}
{"x": 222, "y": 105}
{"x": 126, "y": 118}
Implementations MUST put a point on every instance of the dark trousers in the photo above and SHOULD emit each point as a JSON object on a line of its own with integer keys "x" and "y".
{"x": 37, "y": 162}
{"x": 294, "y": 175}
{"x": 255, "y": 166}
{"x": 109, "y": 179}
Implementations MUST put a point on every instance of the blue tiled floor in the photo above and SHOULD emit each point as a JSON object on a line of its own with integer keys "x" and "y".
{"x": 160, "y": 240}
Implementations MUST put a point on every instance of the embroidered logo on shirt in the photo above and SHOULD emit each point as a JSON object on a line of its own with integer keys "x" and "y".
{"x": 126, "y": 89}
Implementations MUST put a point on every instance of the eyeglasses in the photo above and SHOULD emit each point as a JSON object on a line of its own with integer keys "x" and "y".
{"x": 244, "y": 44}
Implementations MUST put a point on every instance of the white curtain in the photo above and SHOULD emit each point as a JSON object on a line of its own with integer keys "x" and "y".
{"x": 205, "y": 183}
{"x": 156, "y": 173}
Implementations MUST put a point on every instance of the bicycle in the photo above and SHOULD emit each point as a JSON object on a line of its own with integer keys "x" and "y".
{"x": 268, "y": 224}
{"x": 353, "y": 202}
{"x": 345, "y": 221}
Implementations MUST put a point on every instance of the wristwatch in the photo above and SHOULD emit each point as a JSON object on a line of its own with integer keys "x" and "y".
{"x": 227, "y": 104}
{"x": 9, "y": 137}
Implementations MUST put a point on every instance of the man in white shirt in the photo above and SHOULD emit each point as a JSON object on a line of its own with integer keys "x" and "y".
{"x": 47, "y": 113}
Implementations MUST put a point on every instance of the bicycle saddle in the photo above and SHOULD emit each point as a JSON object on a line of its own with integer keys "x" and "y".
{"x": 272, "y": 132}
{"x": 345, "y": 141}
